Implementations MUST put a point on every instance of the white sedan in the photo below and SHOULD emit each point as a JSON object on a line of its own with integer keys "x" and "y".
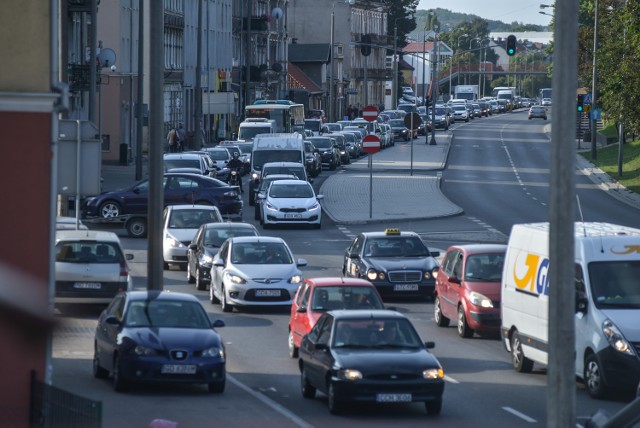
{"x": 291, "y": 202}
{"x": 254, "y": 271}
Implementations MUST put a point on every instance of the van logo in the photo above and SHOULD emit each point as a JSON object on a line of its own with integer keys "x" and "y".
{"x": 628, "y": 249}
{"x": 532, "y": 271}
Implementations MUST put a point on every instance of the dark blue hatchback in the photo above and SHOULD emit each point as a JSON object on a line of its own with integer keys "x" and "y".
{"x": 155, "y": 336}
{"x": 179, "y": 188}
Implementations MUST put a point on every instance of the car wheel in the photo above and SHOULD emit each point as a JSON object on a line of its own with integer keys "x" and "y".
{"x": 200, "y": 285}
{"x": 463, "y": 328}
{"x": 441, "y": 320}
{"x": 434, "y": 407}
{"x": 226, "y": 307}
{"x": 593, "y": 377}
{"x": 137, "y": 227}
{"x": 529, "y": 118}
{"x": 216, "y": 387}
{"x": 293, "y": 349}
{"x": 110, "y": 209}
{"x": 307, "y": 390}
{"x": 165, "y": 265}
{"x": 190, "y": 278}
{"x": 212, "y": 297}
{"x": 520, "y": 363}
{"x": 335, "y": 407}
{"x": 99, "y": 372}
{"x": 120, "y": 384}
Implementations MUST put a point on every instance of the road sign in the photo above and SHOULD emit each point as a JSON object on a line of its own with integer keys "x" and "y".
{"x": 586, "y": 99}
{"x": 371, "y": 144}
{"x": 412, "y": 121}
{"x": 370, "y": 113}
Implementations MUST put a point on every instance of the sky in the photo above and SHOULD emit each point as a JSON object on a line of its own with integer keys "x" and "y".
{"x": 507, "y": 11}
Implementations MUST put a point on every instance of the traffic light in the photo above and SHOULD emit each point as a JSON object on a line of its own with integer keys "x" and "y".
{"x": 580, "y": 103}
{"x": 511, "y": 45}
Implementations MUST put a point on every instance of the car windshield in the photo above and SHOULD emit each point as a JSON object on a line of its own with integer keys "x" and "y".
{"x": 399, "y": 246}
{"x": 279, "y": 190}
{"x": 322, "y": 143}
{"x": 246, "y": 148}
{"x": 614, "y": 284}
{"x": 459, "y": 107}
{"x": 333, "y": 126}
{"x": 345, "y": 297}
{"x": 166, "y": 313}
{"x": 181, "y": 163}
{"x": 88, "y": 252}
{"x": 192, "y": 218}
{"x": 375, "y": 333}
{"x": 484, "y": 267}
{"x": 396, "y": 123}
{"x": 217, "y": 155}
{"x": 260, "y": 253}
{"x": 249, "y": 133}
{"x": 214, "y": 237}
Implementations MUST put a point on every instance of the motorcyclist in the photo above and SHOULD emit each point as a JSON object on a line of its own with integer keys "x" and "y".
{"x": 235, "y": 164}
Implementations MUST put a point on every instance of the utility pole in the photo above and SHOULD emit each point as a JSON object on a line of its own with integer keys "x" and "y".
{"x": 198, "y": 83}
{"x": 394, "y": 89}
{"x": 139, "y": 129}
{"x": 434, "y": 91}
{"x": 561, "y": 388}
{"x": 594, "y": 93}
{"x": 331, "y": 102}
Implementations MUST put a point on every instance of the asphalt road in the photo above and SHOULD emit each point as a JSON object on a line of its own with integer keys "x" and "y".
{"x": 263, "y": 389}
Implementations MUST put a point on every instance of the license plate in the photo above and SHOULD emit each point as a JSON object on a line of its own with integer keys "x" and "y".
{"x": 405, "y": 287}
{"x": 178, "y": 369}
{"x": 293, "y": 216}
{"x": 267, "y": 293}
{"x": 88, "y": 285}
{"x": 393, "y": 398}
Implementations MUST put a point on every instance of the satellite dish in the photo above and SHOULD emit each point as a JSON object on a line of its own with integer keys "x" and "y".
{"x": 277, "y": 13}
{"x": 277, "y": 67}
{"x": 106, "y": 57}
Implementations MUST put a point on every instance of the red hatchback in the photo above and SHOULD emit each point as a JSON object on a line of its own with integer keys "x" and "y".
{"x": 315, "y": 296}
{"x": 468, "y": 288}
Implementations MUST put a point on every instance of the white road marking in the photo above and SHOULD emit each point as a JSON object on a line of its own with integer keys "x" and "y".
{"x": 269, "y": 402}
{"x": 450, "y": 379}
{"x": 519, "y": 414}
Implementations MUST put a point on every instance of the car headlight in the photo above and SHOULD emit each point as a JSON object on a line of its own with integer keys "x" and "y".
{"x": 314, "y": 207}
{"x": 234, "y": 278}
{"x": 428, "y": 274}
{"x": 213, "y": 352}
{"x": 372, "y": 274}
{"x": 295, "y": 279}
{"x": 349, "y": 374}
{"x": 143, "y": 351}
{"x": 255, "y": 176}
{"x": 615, "y": 338}
{"x": 270, "y": 207}
{"x": 480, "y": 300}
{"x": 171, "y": 241}
{"x": 433, "y": 373}
{"x": 342, "y": 152}
{"x": 206, "y": 259}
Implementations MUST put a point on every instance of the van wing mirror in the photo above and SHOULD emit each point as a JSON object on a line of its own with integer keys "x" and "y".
{"x": 582, "y": 303}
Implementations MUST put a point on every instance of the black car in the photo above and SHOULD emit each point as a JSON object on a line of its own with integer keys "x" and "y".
{"x": 205, "y": 245}
{"x": 328, "y": 151}
{"x": 398, "y": 263}
{"x": 313, "y": 160}
{"x": 158, "y": 337}
{"x": 400, "y": 131}
{"x": 372, "y": 356}
{"x": 179, "y": 188}
{"x": 341, "y": 144}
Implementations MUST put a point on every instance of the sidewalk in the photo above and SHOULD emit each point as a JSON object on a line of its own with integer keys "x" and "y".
{"x": 402, "y": 189}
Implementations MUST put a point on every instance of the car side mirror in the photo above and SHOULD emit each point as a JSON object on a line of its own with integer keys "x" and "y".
{"x": 301, "y": 262}
{"x": 112, "y": 320}
{"x": 218, "y": 262}
{"x": 429, "y": 345}
{"x": 319, "y": 197}
{"x": 217, "y": 323}
{"x": 454, "y": 279}
{"x": 301, "y": 309}
{"x": 193, "y": 247}
{"x": 435, "y": 253}
{"x": 582, "y": 304}
{"x": 321, "y": 346}
{"x": 128, "y": 256}
{"x": 353, "y": 255}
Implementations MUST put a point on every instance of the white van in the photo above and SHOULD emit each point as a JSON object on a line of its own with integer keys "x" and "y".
{"x": 253, "y": 126}
{"x": 607, "y": 304}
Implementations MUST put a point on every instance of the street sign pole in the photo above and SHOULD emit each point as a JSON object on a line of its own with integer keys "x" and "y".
{"x": 371, "y": 186}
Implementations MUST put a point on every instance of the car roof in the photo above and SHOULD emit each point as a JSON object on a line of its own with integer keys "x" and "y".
{"x": 290, "y": 181}
{"x": 345, "y": 314}
{"x": 160, "y": 295}
{"x": 274, "y": 177}
{"x": 186, "y": 155}
{"x": 333, "y": 281}
{"x": 190, "y": 207}
{"x": 86, "y": 235}
{"x": 383, "y": 234}
{"x": 481, "y": 248}
{"x": 240, "y": 239}
{"x": 230, "y": 225}
{"x": 297, "y": 164}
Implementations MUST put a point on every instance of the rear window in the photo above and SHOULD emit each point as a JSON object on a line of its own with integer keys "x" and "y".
{"x": 193, "y": 218}
{"x": 298, "y": 172}
{"x": 88, "y": 252}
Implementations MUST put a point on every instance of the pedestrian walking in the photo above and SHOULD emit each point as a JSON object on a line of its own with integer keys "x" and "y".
{"x": 172, "y": 140}
{"x": 181, "y": 134}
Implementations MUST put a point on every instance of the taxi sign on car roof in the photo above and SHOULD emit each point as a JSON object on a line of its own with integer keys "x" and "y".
{"x": 392, "y": 231}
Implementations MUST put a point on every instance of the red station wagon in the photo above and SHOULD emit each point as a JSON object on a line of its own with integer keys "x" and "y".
{"x": 468, "y": 288}
{"x": 315, "y": 296}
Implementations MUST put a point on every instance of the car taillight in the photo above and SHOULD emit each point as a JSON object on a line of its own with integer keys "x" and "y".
{"x": 230, "y": 195}
{"x": 124, "y": 269}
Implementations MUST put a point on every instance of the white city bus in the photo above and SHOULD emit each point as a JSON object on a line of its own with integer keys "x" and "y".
{"x": 287, "y": 115}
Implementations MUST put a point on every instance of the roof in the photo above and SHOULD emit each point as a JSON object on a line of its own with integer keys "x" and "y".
{"x": 230, "y": 225}
{"x": 92, "y": 235}
{"x": 382, "y": 234}
{"x": 249, "y": 239}
{"x": 190, "y": 207}
{"x": 161, "y": 295}
{"x": 309, "y": 52}
{"x": 418, "y": 47}
{"x": 181, "y": 156}
{"x": 297, "y": 79}
{"x": 360, "y": 313}
{"x": 482, "y": 248}
{"x": 339, "y": 280}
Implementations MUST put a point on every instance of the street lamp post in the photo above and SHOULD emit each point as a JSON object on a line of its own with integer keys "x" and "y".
{"x": 594, "y": 93}
{"x": 469, "y": 62}
{"x": 434, "y": 82}
{"x": 330, "y": 109}
{"x": 458, "y": 54}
